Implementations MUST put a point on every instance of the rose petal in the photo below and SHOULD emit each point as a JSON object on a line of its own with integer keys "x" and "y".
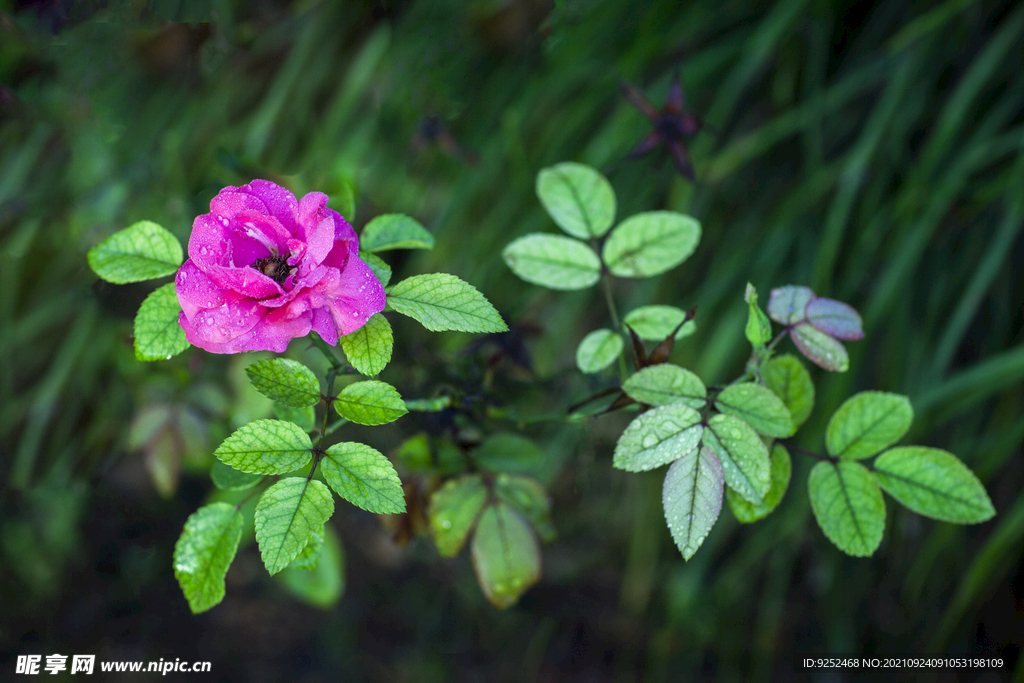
{"x": 224, "y": 323}
{"x": 232, "y": 201}
{"x": 323, "y": 324}
{"x": 196, "y": 291}
{"x": 786, "y": 304}
{"x": 835, "y": 318}
{"x": 280, "y": 202}
{"x": 274, "y": 332}
{"x": 353, "y": 296}
{"x": 266, "y": 230}
{"x": 246, "y": 281}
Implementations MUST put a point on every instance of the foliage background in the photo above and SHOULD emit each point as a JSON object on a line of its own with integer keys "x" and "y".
{"x": 873, "y": 153}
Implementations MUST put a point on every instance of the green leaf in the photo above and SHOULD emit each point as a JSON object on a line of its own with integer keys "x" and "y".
{"x": 453, "y": 511}
{"x": 655, "y": 323}
{"x": 343, "y": 200}
{"x": 934, "y": 483}
{"x": 759, "y": 328}
{"x": 285, "y": 381}
{"x": 369, "y": 348}
{"x": 848, "y": 505}
{"x": 529, "y": 499}
{"x": 322, "y": 586}
{"x": 578, "y": 198}
{"x": 650, "y": 243}
{"x": 395, "y": 231}
{"x": 598, "y": 350}
{"x": 379, "y": 267}
{"x": 781, "y": 472}
{"x": 429, "y": 405}
{"x": 788, "y": 305}
{"x": 692, "y": 498}
{"x": 821, "y": 349}
{"x": 309, "y": 558}
{"x": 364, "y": 477}
{"x": 664, "y": 384}
{"x": 509, "y": 452}
{"x": 744, "y": 457}
{"x": 758, "y": 407}
{"x": 444, "y": 302}
{"x": 204, "y": 552}
{"x": 227, "y": 478}
{"x": 142, "y": 251}
{"x": 553, "y": 261}
{"x": 866, "y": 423}
{"x": 158, "y": 335}
{"x": 505, "y": 554}
{"x": 788, "y": 379}
{"x": 371, "y": 402}
{"x": 287, "y": 515}
{"x": 266, "y": 447}
{"x": 304, "y": 417}
{"x": 657, "y": 437}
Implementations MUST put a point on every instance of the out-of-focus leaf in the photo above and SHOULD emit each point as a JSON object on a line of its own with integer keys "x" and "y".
{"x": 453, "y": 512}
{"x": 578, "y": 198}
{"x": 654, "y": 323}
{"x": 819, "y": 348}
{"x": 598, "y": 350}
{"x": 788, "y": 305}
{"x": 650, "y": 243}
{"x": 395, "y": 231}
{"x": 323, "y": 585}
{"x": 553, "y": 261}
{"x": 835, "y": 318}
{"x": 505, "y": 554}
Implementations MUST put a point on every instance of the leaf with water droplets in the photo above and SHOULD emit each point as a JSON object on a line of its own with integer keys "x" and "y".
{"x": 665, "y": 384}
{"x": 142, "y": 251}
{"x": 658, "y": 437}
{"x": 453, "y": 511}
{"x": 204, "y": 552}
{"x": 440, "y": 301}
{"x": 506, "y": 555}
{"x": 370, "y": 403}
{"x": 758, "y": 407}
{"x": 285, "y": 381}
{"x": 819, "y": 348}
{"x": 934, "y": 483}
{"x": 788, "y": 305}
{"x": 848, "y": 505}
{"x": 744, "y": 457}
{"x": 364, "y": 477}
{"x": 369, "y": 348}
{"x": 598, "y": 350}
{"x": 287, "y": 515}
{"x": 782, "y": 469}
{"x": 158, "y": 335}
{"x": 788, "y": 379}
{"x": 266, "y": 447}
{"x": 692, "y": 498}
{"x": 866, "y": 423}
{"x": 530, "y": 499}
{"x": 835, "y": 319}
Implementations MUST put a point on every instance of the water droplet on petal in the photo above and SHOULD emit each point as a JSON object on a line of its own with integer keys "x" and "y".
{"x": 204, "y": 251}
{"x": 182, "y": 276}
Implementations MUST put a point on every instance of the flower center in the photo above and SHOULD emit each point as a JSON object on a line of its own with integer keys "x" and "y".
{"x": 274, "y": 267}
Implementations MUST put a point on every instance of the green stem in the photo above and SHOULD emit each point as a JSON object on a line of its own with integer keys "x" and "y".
{"x": 326, "y": 350}
{"x": 606, "y": 287}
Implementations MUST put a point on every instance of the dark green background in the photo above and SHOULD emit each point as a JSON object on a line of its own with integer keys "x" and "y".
{"x": 872, "y": 152}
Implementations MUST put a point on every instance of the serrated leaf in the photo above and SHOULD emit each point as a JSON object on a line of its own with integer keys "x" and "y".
{"x": 395, "y": 231}
{"x": 304, "y": 417}
{"x": 379, "y": 267}
{"x": 578, "y": 198}
{"x": 285, "y": 381}
{"x": 505, "y": 554}
{"x": 835, "y": 319}
{"x": 848, "y": 505}
{"x": 788, "y": 379}
{"x": 866, "y": 423}
{"x": 142, "y": 251}
{"x": 322, "y": 586}
{"x": 453, "y": 511}
{"x": 508, "y": 452}
{"x": 553, "y": 261}
{"x": 364, "y": 477}
{"x": 934, "y": 483}
{"x": 788, "y": 305}
{"x": 781, "y": 471}
{"x": 692, "y": 498}
{"x": 204, "y": 552}
{"x": 266, "y": 447}
{"x": 654, "y": 323}
{"x": 309, "y": 557}
{"x": 158, "y": 335}
{"x": 664, "y": 384}
{"x": 598, "y": 350}
{"x": 658, "y": 437}
{"x": 744, "y": 457}
{"x": 819, "y": 348}
{"x": 227, "y": 478}
{"x": 370, "y": 402}
{"x": 369, "y": 348}
{"x": 529, "y": 499}
{"x": 650, "y": 243}
{"x": 287, "y": 515}
{"x": 440, "y": 301}
{"x": 758, "y": 407}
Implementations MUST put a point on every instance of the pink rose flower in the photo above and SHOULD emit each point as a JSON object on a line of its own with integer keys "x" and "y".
{"x": 264, "y": 269}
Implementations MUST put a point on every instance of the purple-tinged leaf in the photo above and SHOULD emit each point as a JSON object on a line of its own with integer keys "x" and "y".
{"x": 787, "y": 305}
{"x": 821, "y": 349}
{"x": 835, "y": 318}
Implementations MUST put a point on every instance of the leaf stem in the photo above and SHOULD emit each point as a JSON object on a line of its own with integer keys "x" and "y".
{"x": 326, "y": 350}
{"x": 606, "y": 287}
{"x": 800, "y": 449}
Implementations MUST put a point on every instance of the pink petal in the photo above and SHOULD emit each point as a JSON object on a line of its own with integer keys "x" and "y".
{"x": 224, "y": 323}
{"x": 233, "y": 200}
{"x": 316, "y": 228}
{"x": 323, "y": 324}
{"x": 835, "y": 318}
{"x": 246, "y": 281}
{"x": 196, "y": 291}
{"x": 353, "y": 296}
{"x": 280, "y": 202}
{"x": 264, "y": 229}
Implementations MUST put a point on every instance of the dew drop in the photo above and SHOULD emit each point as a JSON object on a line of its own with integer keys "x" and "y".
{"x": 446, "y": 524}
{"x": 209, "y": 321}
{"x": 168, "y": 357}
{"x": 204, "y": 251}
{"x": 649, "y": 441}
{"x": 183, "y": 276}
